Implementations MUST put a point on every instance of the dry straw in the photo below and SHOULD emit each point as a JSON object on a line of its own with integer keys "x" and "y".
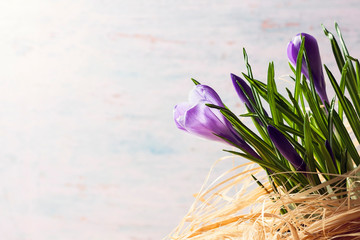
{"x": 234, "y": 206}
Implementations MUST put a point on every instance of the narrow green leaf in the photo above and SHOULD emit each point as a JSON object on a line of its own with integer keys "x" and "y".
{"x": 330, "y": 124}
{"x": 348, "y": 107}
{"x": 249, "y": 114}
{"x": 259, "y": 183}
{"x": 326, "y": 157}
{"x": 246, "y": 59}
{"x": 195, "y": 82}
{"x": 271, "y": 87}
{"x": 310, "y": 151}
{"x": 298, "y": 70}
{"x": 345, "y": 51}
{"x": 292, "y": 69}
{"x": 342, "y": 87}
{"x": 257, "y": 106}
{"x": 345, "y": 138}
{"x": 308, "y": 144}
{"x": 248, "y": 135}
{"x": 318, "y": 114}
{"x": 357, "y": 68}
{"x": 295, "y": 103}
{"x": 335, "y": 48}
{"x": 351, "y": 81}
{"x": 273, "y": 167}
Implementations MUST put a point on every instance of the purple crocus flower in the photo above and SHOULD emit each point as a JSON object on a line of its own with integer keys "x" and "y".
{"x": 197, "y": 118}
{"x": 236, "y": 81}
{"x": 286, "y": 149}
{"x": 312, "y": 51}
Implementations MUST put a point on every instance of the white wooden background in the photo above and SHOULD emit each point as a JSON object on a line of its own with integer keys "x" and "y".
{"x": 88, "y": 147}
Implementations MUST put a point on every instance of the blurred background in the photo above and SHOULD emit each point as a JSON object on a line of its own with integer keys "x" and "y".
{"x": 88, "y": 147}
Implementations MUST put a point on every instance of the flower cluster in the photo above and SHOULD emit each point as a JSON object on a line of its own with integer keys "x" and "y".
{"x": 305, "y": 135}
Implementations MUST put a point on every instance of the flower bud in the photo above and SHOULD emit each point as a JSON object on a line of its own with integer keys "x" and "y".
{"x": 313, "y": 54}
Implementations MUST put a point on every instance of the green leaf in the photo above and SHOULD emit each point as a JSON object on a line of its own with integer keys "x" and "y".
{"x": 357, "y": 68}
{"x": 284, "y": 107}
{"x": 342, "y": 88}
{"x": 327, "y": 159}
{"x": 249, "y": 114}
{"x": 330, "y": 123}
{"x": 195, "y": 82}
{"x": 210, "y": 105}
{"x": 351, "y": 81}
{"x": 245, "y": 132}
{"x": 344, "y": 161}
{"x": 272, "y": 91}
{"x": 298, "y": 69}
{"x": 318, "y": 114}
{"x": 335, "y": 48}
{"x": 292, "y": 69}
{"x": 308, "y": 144}
{"x": 260, "y": 184}
{"x": 310, "y": 151}
{"x": 344, "y": 48}
{"x": 246, "y": 59}
{"x": 348, "y": 107}
{"x": 262, "y": 163}
{"x": 257, "y": 106}
{"x": 345, "y": 138}
{"x": 295, "y": 103}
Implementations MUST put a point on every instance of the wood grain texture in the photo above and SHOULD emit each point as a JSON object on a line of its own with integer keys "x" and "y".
{"x": 89, "y": 149}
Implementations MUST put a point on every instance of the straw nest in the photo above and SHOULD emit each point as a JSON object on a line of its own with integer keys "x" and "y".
{"x": 234, "y": 206}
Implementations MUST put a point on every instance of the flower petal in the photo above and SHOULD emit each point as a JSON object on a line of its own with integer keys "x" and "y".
{"x": 286, "y": 149}
{"x": 236, "y": 81}
{"x": 204, "y": 93}
{"x": 313, "y": 54}
{"x": 202, "y": 121}
{"x": 179, "y": 112}
{"x": 293, "y": 51}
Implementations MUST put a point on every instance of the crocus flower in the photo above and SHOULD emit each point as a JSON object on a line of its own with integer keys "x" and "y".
{"x": 286, "y": 149}
{"x": 313, "y": 54}
{"x": 236, "y": 81}
{"x": 197, "y": 118}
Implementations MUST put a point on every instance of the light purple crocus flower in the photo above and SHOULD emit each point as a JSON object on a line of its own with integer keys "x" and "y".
{"x": 197, "y": 118}
{"x": 286, "y": 149}
{"x": 312, "y": 51}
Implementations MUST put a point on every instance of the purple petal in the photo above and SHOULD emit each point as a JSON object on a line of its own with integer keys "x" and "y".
{"x": 202, "y": 121}
{"x": 179, "y": 112}
{"x": 293, "y": 51}
{"x": 197, "y": 118}
{"x": 204, "y": 93}
{"x": 286, "y": 149}
{"x": 236, "y": 81}
{"x": 313, "y": 53}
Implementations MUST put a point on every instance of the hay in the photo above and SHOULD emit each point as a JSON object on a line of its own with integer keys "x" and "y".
{"x": 234, "y": 206}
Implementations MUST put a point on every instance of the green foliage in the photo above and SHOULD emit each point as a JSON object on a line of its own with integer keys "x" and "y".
{"x": 304, "y": 121}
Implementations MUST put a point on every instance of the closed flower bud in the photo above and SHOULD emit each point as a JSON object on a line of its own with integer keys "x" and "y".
{"x": 286, "y": 149}
{"x": 313, "y": 54}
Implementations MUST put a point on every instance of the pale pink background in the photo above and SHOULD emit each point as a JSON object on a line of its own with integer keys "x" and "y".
{"x": 88, "y": 147}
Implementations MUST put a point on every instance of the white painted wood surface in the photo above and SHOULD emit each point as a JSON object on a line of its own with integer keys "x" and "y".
{"x": 89, "y": 149}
